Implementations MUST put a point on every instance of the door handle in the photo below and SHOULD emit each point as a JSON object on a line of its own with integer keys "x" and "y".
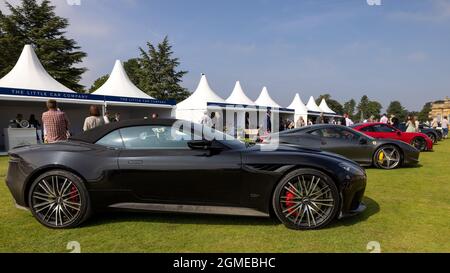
{"x": 135, "y": 162}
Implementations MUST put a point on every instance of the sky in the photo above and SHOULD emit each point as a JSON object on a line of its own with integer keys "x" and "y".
{"x": 398, "y": 50}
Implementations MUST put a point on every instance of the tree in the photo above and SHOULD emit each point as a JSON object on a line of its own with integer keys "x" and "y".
{"x": 349, "y": 108}
{"x": 133, "y": 69}
{"x": 98, "y": 82}
{"x": 363, "y": 108}
{"x": 396, "y": 108}
{"x": 38, "y": 25}
{"x": 424, "y": 114}
{"x": 333, "y": 104}
{"x": 374, "y": 109}
{"x": 158, "y": 74}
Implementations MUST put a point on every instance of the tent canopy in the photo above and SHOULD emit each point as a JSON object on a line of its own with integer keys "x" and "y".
{"x": 120, "y": 85}
{"x": 324, "y": 107}
{"x": 238, "y": 96}
{"x": 201, "y": 96}
{"x": 265, "y": 100}
{"x": 312, "y": 106}
{"x": 298, "y": 105}
{"x": 28, "y": 73}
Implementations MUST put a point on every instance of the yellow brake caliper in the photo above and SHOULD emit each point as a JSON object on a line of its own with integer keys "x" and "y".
{"x": 381, "y": 157}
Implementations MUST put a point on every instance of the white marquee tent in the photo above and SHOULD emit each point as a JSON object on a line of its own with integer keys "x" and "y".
{"x": 265, "y": 100}
{"x": 312, "y": 106}
{"x": 238, "y": 96}
{"x": 194, "y": 107}
{"x": 325, "y": 109}
{"x": 28, "y": 85}
{"x": 300, "y": 109}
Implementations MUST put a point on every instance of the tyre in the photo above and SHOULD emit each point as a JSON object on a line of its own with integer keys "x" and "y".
{"x": 59, "y": 199}
{"x": 433, "y": 138}
{"x": 306, "y": 199}
{"x": 387, "y": 157}
{"x": 420, "y": 143}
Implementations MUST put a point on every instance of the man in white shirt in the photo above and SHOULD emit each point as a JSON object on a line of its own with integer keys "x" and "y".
{"x": 348, "y": 121}
{"x": 444, "y": 125}
{"x": 206, "y": 120}
{"x": 384, "y": 119}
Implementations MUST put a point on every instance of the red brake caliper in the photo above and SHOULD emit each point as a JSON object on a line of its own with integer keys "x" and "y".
{"x": 290, "y": 203}
{"x": 74, "y": 196}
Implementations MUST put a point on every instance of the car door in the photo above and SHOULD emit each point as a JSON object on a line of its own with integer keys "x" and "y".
{"x": 344, "y": 142}
{"x": 386, "y": 131}
{"x": 161, "y": 168}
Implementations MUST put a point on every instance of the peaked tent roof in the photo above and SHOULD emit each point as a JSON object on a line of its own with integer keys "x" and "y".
{"x": 28, "y": 73}
{"x": 312, "y": 106}
{"x": 238, "y": 96}
{"x": 201, "y": 96}
{"x": 265, "y": 100}
{"x": 324, "y": 107}
{"x": 120, "y": 85}
{"x": 298, "y": 105}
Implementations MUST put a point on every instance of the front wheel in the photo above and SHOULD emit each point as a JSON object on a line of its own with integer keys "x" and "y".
{"x": 306, "y": 199}
{"x": 58, "y": 199}
{"x": 420, "y": 143}
{"x": 387, "y": 157}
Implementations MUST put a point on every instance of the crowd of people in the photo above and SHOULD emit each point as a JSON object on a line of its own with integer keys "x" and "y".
{"x": 55, "y": 124}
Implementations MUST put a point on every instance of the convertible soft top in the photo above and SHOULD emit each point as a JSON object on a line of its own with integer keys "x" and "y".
{"x": 92, "y": 136}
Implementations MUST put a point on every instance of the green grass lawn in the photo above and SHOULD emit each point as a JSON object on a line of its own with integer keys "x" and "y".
{"x": 408, "y": 211}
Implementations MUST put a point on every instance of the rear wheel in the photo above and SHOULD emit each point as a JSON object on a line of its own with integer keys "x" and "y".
{"x": 306, "y": 199}
{"x": 433, "y": 138}
{"x": 420, "y": 143}
{"x": 59, "y": 199}
{"x": 387, "y": 157}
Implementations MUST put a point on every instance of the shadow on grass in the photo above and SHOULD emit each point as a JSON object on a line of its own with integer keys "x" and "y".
{"x": 203, "y": 219}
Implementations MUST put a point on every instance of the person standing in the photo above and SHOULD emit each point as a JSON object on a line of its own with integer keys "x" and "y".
{"x": 384, "y": 119}
{"x": 444, "y": 125}
{"x": 94, "y": 120}
{"x": 300, "y": 122}
{"x": 348, "y": 121}
{"x": 434, "y": 123}
{"x": 117, "y": 117}
{"x": 56, "y": 124}
{"x": 411, "y": 125}
{"x": 206, "y": 120}
{"x": 395, "y": 121}
{"x": 106, "y": 118}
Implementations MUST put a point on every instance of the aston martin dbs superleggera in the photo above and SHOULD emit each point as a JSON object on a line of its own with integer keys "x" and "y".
{"x": 367, "y": 151}
{"x": 380, "y": 130}
{"x": 153, "y": 165}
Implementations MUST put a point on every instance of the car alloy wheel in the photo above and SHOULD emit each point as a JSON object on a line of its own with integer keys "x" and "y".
{"x": 308, "y": 199}
{"x": 433, "y": 138}
{"x": 59, "y": 200}
{"x": 387, "y": 157}
{"x": 419, "y": 143}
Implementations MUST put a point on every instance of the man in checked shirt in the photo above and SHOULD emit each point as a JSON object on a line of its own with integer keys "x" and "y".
{"x": 56, "y": 125}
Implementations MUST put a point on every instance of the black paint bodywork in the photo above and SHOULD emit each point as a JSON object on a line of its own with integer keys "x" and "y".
{"x": 361, "y": 150}
{"x": 236, "y": 176}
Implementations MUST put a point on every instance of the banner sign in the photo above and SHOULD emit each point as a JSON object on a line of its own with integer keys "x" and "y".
{"x": 79, "y": 96}
{"x": 225, "y": 105}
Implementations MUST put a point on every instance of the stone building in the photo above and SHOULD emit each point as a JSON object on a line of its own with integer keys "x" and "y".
{"x": 440, "y": 109}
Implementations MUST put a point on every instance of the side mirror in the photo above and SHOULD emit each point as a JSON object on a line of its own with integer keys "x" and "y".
{"x": 363, "y": 141}
{"x": 199, "y": 144}
{"x": 399, "y": 133}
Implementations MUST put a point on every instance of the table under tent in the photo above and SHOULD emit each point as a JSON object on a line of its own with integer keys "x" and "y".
{"x": 26, "y": 88}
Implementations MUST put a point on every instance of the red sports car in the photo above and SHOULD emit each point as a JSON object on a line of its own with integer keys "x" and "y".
{"x": 380, "y": 130}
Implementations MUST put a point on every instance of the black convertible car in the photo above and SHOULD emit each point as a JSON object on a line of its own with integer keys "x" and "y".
{"x": 157, "y": 165}
{"x": 367, "y": 151}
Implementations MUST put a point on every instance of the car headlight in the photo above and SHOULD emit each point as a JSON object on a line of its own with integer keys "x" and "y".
{"x": 350, "y": 168}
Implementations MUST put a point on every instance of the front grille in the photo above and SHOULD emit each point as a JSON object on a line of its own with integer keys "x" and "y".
{"x": 357, "y": 199}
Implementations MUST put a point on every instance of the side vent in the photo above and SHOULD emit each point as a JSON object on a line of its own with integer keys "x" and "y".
{"x": 265, "y": 167}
